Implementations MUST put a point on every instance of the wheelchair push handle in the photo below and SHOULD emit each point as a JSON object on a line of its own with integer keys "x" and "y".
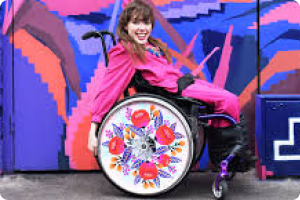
{"x": 97, "y": 34}
{"x": 100, "y": 34}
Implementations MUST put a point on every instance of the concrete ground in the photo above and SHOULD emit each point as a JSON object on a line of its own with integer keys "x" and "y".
{"x": 93, "y": 185}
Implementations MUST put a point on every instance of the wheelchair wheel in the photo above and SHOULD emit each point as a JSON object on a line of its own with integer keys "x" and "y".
{"x": 222, "y": 190}
{"x": 145, "y": 145}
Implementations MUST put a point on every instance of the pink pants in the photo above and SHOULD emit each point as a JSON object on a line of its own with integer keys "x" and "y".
{"x": 222, "y": 101}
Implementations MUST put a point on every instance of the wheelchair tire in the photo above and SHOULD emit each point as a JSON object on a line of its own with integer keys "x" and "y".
{"x": 145, "y": 145}
{"x": 220, "y": 192}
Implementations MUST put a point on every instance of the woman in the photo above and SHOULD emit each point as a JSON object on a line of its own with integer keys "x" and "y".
{"x": 137, "y": 50}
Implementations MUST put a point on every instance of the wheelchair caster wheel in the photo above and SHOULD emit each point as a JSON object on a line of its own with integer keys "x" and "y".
{"x": 220, "y": 191}
{"x": 145, "y": 145}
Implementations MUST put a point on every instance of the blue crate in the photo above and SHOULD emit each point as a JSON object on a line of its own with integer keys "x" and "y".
{"x": 277, "y": 133}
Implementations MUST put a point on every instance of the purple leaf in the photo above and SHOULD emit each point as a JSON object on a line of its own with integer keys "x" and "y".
{"x": 158, "y": 121}
{"x": 178, "y": 135}
{"x": 118, "y": 132}
{"x": 137, "y": 164}
{"x": 162, "y": 150}
{"x": 157, "y": 181}
{"x": 137, "y": 131}
{"x": 164, "y": 174}
{"x": 105, "y": 144}
{"x": 173, "y": 126}
{"x": 127, "y": 155}
{"x": 175, "y": 159}
{"x": 137, "y": 179}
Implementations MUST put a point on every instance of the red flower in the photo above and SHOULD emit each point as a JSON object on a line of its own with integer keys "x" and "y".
{"x": 165, "y": 135}
{"x": 164, "y": 160}
{"x": 140, "y": 118}
{"x": 148, "y": 171}
{"x": 116, "y": 146}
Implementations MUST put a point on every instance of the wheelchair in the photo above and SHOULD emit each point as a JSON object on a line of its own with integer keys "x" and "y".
{"x": 149, "y": 141}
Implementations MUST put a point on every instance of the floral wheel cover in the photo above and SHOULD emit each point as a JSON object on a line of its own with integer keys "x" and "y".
{"x": 145, "y": 146}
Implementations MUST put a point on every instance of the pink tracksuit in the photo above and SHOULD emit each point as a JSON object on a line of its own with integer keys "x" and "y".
{"x": 159, "y": 73}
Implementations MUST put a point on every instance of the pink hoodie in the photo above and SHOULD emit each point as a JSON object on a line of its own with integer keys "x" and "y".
{"x": 157, "y": 72}
{"x": 119, "y": 72}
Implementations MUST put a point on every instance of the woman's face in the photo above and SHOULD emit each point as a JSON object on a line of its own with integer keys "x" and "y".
{"x": 139, "y": 30}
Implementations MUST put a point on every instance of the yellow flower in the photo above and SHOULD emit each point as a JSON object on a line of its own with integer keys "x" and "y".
{"x": 182, "y": 143}
{"x": 146, "y": 185}
{"x": 151, "y": 184}
{"x": 156, "y": 113}
{"x": 127, "y": 130}
{"x": 127, "y": 136}
{"x": 152, "y": 107}
{"x": 160, "y": 166}
{"x": 134, "y": 173}
{"x": 173, "y": 153}
{"x": 114, "y": 159}
{"x": 119, "y": 168}
{"x": 179, "y": 150}
{"x": 112, "y": 166}
{"x": 132, "y": 134}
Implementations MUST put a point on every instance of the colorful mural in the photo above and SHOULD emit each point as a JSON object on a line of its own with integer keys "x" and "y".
{"x": 1, "y": 96}
{"x": 56, "y": 73}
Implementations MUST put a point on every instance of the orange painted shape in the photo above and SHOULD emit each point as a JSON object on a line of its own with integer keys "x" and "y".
{"x": 81, "y": 157}
{"x": 163, "y": 2}
{"x": 47, "y": 64}
{"x": 235, "y": 1}
{"x": 283, "y": 61}
{"x": 186, "y": 62}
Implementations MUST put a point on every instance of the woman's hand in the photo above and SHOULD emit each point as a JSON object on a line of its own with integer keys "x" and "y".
{"x": 93, "y": 141}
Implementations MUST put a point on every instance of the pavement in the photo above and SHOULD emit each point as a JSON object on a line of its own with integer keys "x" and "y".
{"x": 93, "y": 186}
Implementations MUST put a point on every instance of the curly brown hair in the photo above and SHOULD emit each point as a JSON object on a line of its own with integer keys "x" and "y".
{"x": 144, "y": 12}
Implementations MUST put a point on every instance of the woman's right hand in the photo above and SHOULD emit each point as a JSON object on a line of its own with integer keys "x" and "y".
{"x": 93, "y": 141}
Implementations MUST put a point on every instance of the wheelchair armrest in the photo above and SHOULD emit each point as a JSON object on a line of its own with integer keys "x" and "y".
{"x": 218, "y": 116}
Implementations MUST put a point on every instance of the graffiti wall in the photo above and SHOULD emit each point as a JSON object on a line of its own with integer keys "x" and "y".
{"x": 56, "y": 73}
{"x": 279, "y": 53}
{"x": 1, "y": 97}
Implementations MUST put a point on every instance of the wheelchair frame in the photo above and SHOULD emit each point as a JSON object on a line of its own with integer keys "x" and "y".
{"x": 219, "y": 187}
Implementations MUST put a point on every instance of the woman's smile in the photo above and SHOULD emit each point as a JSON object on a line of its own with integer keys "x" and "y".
{"x": 139, "y": 30}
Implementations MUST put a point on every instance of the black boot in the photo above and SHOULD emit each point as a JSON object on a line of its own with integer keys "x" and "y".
{"x": 246, "y": 159}
{"x": 233, "y": 140}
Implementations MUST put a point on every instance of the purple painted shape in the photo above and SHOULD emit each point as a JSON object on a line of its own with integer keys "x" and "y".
{"x": 180, "y": 4}
{"x": 38, "y": 126}
{"x": 1, "y": 102}
{"x": 91, "y": 46}
{"x": 51, "y": 31}
{"x": 8, "y": 159}
{"x": 76, "y": 7}
{"x": 9, "y": 14}
{"x": 188, "y": 9}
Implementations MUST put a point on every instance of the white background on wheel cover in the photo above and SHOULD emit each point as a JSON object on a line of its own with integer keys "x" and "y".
{"x": 127, "y": 182}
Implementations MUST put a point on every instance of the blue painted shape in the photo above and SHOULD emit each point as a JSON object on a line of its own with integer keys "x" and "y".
{"x": 260, "y": 127}
{"x": 276, "y": 113}
{"x": 39, "y": 129}
{"x": 2, "y": 13}
{"x": 275, "y": 79}
{"x": 8, "y": 140}
{"x": 204, "y": 160}
{"x": 280, "y": 45}
{"x": 1, "y": 98}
